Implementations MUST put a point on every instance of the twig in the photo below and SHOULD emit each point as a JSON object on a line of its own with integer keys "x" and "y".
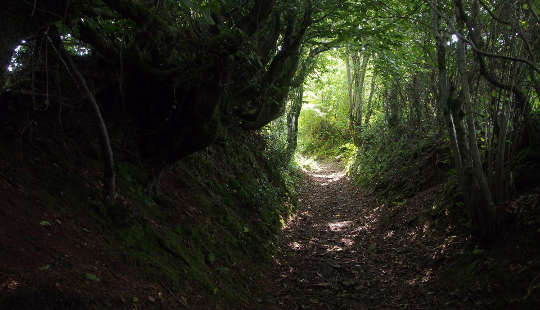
{"x": 109, "y": 174}
{"x": 178, "y": 299}
{"x": 533, "y": 12}
{"x": 532, "y": 287}
{"x": 474, "y": 47}
{"x": 484, "y": 5}
{"x": 34, "y": 8}
{"x": 484, "y": 53}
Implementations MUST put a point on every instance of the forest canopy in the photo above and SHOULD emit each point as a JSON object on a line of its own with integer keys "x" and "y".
{"x": 166, "y": 78}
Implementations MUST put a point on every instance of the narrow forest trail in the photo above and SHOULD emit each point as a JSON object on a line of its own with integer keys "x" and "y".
{"x": 343, "y": 251}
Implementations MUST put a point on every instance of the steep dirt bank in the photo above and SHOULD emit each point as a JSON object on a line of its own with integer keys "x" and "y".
{"x": 343, "y": 250}
{"x": 194, "y": 246}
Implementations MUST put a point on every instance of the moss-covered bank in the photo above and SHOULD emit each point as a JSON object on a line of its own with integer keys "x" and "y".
{"x": 207, "y": 234}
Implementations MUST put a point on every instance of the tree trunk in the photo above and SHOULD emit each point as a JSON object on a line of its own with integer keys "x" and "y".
{"x": 360, "y": 91}
{"x": 445, "y": 105}
{"x": 109, "y": 188}
{"x": 292, "y": 119}
{"x": 501, "y": 186}
{"x": 359, "y": 74}
{"x": 486, "y": 210}
{"x": 349, "y": 89}
{"x": 370, "y": 99}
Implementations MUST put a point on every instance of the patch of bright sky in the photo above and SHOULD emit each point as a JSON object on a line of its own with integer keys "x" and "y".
{"x": 312, "y": 102}
{"x": 313, "y": 107}
{"x": 78, "y": 49}
{"x": 321, "y": 79}
{"x": 453, "y": 39}
{"x": 13, "y": 64}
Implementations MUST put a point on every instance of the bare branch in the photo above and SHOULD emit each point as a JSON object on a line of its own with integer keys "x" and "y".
{"x": 484, "y": 53}
{"x": 453, "y": 31}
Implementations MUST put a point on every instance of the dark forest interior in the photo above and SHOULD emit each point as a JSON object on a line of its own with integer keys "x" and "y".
{"x": 270, "y": 154}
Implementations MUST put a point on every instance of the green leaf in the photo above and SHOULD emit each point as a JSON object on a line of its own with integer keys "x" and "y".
{"x": 45, "y": 223}
{"x": 91, "y": 277}
{"x": 477, "y": 251}
{"x": 211, "y": 258}
{"x": 45, "y": 267}
{"x": 525, "y": 6}
{"x": 246, "y": 229}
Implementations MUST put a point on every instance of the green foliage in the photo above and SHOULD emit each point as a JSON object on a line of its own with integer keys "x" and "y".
{"x": 395, "y": 164}
{"x": 239, "y": 199}
{"x": 324, "y": 139}
{"x": 479, "y": 269}
{"x": 275, "y": 136}
{"x": 323, "y": 121}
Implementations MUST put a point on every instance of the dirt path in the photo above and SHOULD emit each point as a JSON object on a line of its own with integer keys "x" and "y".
{"x": 343, "y": 251}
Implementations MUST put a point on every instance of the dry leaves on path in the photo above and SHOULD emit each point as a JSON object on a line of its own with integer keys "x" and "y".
{"x": 342, "y": 250}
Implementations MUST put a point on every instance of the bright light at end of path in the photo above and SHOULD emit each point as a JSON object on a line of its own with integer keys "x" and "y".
{"x": 327, "y": 179}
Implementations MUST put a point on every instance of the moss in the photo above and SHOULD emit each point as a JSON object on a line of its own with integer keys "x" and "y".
{"x": 477, "y": 270}
{"x": 240, "y": 196}
{"x": 54, "y": 181}
{"x": 133, "y": 181}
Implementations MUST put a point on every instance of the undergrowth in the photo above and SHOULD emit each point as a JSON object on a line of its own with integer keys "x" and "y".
{"x": 397, "y": 164}
{"x": 215, "y": 221}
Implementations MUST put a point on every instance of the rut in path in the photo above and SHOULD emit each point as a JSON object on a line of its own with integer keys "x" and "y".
{"x": 342, "y": 250}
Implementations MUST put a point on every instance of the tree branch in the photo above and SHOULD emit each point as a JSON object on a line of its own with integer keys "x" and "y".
{"x": 474, "y": 46}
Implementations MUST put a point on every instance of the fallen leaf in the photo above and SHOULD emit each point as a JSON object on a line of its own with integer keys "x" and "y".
{"x": 91, "y": 276}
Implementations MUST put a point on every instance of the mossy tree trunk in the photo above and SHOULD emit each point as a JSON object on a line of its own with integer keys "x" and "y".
{"x": 297, "y": 96}
{"x": 485, "y": 211}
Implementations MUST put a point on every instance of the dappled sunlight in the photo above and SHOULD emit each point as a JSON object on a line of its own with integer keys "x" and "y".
{"x": 341, "y": 240}
{"x": 327, "y": 179}
{"x": 306, "y": 214}
{"x": 371, "y": 217}
{"x": 307, "y": 164}
{"x": 314, "y": 240}
{"x": 444, "y": 247}
{"x": 412, "y": 235}
{"x": 339, "y": 226}
{"x": 362, "y": 228}
{"x": 295, "y": 245}
{"x": 347, "y": 241}
{"x": 424, "y": 277}
{"x": 389, "y": 235}
{"x": 323, "y": 175}
{"x": 334, "y": 248}
{"x": 313, "y": 107}
{"x": 356, "y": 244}
{"x": 295, "y": 218}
